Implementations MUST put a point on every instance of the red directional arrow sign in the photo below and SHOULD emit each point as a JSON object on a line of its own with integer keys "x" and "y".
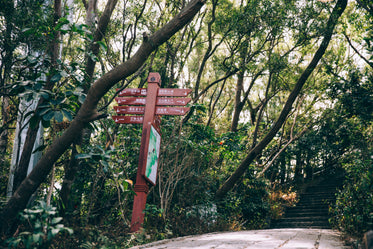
{"x": 128, "y": 119}
{"x": 130, "y": 109}
{"x": 160, "y": 101}
{"x": 130, "y": 101}
{"x": 171, "y": 110}
{"x": 133, "y": 92}
{"x": 158, "y": 110}
{"x": 173, "y": 92}
{"x": 162, "y": 92}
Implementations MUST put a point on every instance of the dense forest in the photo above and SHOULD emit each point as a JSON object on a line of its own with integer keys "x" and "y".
{"x": 282, "y": 93}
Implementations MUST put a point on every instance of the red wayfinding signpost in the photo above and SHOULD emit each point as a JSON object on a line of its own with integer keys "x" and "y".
{"x": 154, "y": 105}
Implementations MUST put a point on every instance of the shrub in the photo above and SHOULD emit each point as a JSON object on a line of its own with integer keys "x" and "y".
{"x": 40, "y": 226}
{"x": 353, "y": 211}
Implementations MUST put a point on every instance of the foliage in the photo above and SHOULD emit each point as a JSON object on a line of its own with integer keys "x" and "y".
{"x": 40, "y": 226}
{"x": 106, "y": 189}
{"x": 267, "y": 44}
{"x": 248, "y": 207}
{"x": 353, "y": 211}
{"x": 279, "y": 200}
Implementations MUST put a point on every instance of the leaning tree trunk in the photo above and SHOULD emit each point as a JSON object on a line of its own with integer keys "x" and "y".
{"x": 88, "y": 112}
{"x": 238, "y": 173}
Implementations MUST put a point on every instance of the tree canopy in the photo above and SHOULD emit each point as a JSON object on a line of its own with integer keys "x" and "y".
{"x": 281, "y": 93}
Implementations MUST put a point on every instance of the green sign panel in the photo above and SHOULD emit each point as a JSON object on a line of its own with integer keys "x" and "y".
{"x": 153, "y": 155}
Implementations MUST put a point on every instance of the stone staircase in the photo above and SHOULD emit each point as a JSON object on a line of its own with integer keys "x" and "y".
{"x": 312, "y": 210}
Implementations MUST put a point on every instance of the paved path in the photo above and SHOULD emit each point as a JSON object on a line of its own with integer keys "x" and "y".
{"x": 255, "y": 239}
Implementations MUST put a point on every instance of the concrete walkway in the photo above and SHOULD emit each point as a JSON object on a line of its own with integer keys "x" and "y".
{"x": 255, "y": 239}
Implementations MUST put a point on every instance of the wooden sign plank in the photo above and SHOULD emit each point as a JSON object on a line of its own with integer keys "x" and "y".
{"x": 173, "y": 92}
{"x": 128, "y": 119}
{"x": 129, "y": 109}
{"x": 158, "y": 110}
{"x": 162, "y": 92}
{"x": 133, "y": 92}
{"x": 160, "y": 101}
{"x": 171, "y": 110}
{"x": 173, "y": 101}
{"x": 130, "y": 101}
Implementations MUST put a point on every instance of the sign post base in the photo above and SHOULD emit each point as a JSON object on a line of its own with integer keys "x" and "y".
{"x": 139, "y": 207}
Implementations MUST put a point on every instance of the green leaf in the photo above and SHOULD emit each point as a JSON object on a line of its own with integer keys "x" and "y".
{"x": 102, "y": 45}
{"x": 55, "y": 78}
{"x": 45, "y": 124}
{"x": 69, "y": 230}
{"x": 67, "y": 114}
{"x": 81, "y": 98}
{"x": 78, "y": 149}
{"x": 64, "y": 73}
{"x": 45, "y": 94}
{"x": 90, "y": 36}
{"x": 25, "y": 233}
{"x": 82, "y": 156}
{"x": 37, "y": 225}
{"x": 58, "y": 116}
{"x": 43, "y": 111}
{"x": 104, "y": 163}
{"x": 58, "y": 100}
{"x": 55, "y": 231}
{"x": 93, "y": 57}
{"x": 14, "y": 242}
{"x": 25, "y": 30}
{"x": 48, "y": 116}
{"x": 62, "y": 21}
{"x": 56, "y": 220}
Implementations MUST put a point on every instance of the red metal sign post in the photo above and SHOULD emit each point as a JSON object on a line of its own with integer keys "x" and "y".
{"x": 150, "y": 107}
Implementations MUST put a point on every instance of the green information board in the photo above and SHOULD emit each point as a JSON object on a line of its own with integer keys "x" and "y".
{"x": 153, "y": 155}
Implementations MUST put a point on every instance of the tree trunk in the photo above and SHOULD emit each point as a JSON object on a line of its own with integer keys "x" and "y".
{"x": 32, "y": 132}
{"x": 72, "y": 167}
{"x": 235, "y": 177}
{"x": 4, "y": 133}
{"x": 17, "y": 173}
{"x": 299, "y": 165}
{"x": 5, "y": 70}
{"x": 239, "y": 104}
{"x": 88, "y": 112}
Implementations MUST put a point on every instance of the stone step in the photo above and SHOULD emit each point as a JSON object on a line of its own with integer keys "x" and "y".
{"x": 312, "y": 209}
{"x": 328, "y": 190}
{"x": 315, "y": 199}
{"x": 315, "y": 203}
{"x": 309, "y": 224}
{"x": 321, "y": 189}
{"x": 305, "y": 219}
{"x": 320, "y": 195}
{"x": 308, "y": 213}
{"x": 308, "y": 207}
